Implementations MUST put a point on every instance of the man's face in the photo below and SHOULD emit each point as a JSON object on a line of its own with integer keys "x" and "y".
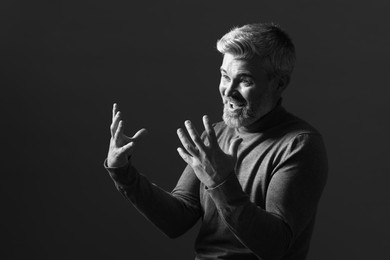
{"x": 246, "y": 91}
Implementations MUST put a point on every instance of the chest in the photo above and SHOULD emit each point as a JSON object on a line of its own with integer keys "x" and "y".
{"x": 256, "y": 159}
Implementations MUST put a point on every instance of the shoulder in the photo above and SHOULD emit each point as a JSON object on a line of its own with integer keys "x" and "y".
{"x": 299, "y": 139}
{"x": 298, "y": 125}
{"x": 292, "y": 128}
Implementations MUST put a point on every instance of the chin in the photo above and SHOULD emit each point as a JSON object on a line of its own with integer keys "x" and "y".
{"x": 237, "y": 119}
{"x": 231, "y": 122}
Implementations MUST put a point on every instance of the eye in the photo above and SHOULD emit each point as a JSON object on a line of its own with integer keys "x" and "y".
{"x": 225, "y": 77}
{"x": 247, "y": 82}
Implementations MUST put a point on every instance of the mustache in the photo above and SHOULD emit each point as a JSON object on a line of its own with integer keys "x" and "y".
{"x": 236, "y": 98}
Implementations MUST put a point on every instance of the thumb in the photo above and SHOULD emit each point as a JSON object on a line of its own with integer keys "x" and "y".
{"x": 131, "y": 141}
{"x": 140, "y": 134}
{"x": 233, "y": 148}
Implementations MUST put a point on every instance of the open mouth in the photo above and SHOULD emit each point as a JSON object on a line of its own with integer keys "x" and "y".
{"x": 235, "y": 105}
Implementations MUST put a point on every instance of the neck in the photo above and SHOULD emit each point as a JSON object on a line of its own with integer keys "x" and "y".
{"x": 264, "y": 121}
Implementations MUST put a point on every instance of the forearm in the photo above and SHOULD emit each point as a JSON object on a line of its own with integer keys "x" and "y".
{"x": 266, "y": 234}
{"x": 172, "y": 213}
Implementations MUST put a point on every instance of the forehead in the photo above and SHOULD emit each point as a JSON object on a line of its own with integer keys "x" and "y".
{"x": 233, "y": 64}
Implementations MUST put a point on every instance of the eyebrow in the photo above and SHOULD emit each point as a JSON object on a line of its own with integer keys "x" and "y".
{"x": 244, "y": 74}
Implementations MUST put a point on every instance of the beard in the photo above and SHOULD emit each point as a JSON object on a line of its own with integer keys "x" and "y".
{"x": 240, "y": 117}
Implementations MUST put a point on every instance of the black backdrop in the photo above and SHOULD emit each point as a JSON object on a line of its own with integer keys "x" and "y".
{"x": 63, "y": 64}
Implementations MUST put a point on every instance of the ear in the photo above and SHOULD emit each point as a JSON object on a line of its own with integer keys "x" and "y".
{"x": 282, "y": 83}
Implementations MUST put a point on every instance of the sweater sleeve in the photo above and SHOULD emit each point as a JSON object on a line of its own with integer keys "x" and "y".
{"x": 172, "y": 212}
{"x": 296, "y": 184}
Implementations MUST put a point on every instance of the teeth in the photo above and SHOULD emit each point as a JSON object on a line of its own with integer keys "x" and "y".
{"x": 234, "y": 105}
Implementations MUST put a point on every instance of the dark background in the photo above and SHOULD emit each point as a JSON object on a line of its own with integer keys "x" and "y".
{"x": 63, "y": 64}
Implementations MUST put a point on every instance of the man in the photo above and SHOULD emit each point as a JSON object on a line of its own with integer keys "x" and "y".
{"x": 254, "y": 179}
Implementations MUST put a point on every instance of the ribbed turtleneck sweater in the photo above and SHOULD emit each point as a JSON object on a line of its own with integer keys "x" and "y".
{"x": 265, "y": 209}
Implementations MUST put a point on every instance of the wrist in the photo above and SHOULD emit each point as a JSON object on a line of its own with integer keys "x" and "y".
{"x": 116, "y": 162}
{"x": 122, "y": 176}
{"x": 221, "y": 179}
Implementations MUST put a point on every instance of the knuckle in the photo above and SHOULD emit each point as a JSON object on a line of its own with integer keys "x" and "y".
{"x": 184, "y": 156}
{"x": 180, "y": 133}
{"x": 197, "y": 164}
{"x": 197, "y": 139}
{"x": 188, "y": 147}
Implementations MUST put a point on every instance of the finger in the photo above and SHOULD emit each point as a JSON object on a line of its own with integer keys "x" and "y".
{"x": 194, "y": 135}
{"x": 140, "y": 134}
{"x": 132, "y": 141}
{"x": 115, "y": 122}
{"x": 185, "y": 156}
{"x": 119, "y": 130}
{"x": 186, "y": 143}
{"x": 233, "y": 148}
{"x": 114, "y": 110}
{"x": 128, "y": 148}
{"x": 209, "y": 130}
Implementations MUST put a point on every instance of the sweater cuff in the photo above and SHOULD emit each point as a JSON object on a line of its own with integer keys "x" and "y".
{"x": 122, "y": 176}
{"x": 228, "y": 193}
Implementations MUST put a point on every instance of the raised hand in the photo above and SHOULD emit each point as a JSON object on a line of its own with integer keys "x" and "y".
{"x": 210, "y": 164}
{"x": 121, "y": 146}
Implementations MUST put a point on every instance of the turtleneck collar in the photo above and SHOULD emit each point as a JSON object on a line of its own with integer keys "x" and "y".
{"x": 265, "y": 122}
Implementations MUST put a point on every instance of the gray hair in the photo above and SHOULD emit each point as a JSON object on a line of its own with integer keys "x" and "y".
{"x": 266, "y": 40}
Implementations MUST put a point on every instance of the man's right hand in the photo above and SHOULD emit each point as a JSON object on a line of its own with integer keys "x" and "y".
{"x": 121, "y": 146}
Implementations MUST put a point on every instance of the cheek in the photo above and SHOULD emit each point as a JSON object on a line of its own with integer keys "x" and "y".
{"x": 261, "y": 100}
{"x": 222, "y": 88}
{"x": 248, "y": 94}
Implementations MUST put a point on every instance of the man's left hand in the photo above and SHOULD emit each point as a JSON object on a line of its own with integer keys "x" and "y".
{"x": 210, "y": 164}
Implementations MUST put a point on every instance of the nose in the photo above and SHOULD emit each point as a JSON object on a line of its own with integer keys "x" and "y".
{"x": 230, "y": 88}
